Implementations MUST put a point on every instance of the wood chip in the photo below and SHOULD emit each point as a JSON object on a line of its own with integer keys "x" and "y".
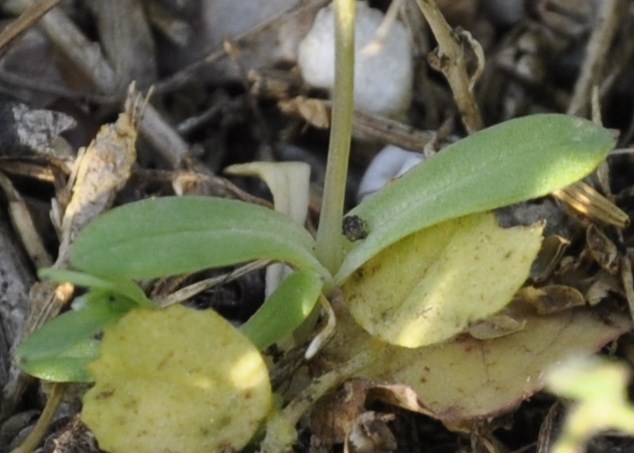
{"x": 100, "y": 171}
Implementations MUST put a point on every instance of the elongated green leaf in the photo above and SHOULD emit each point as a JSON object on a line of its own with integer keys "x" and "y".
{"x": 173, "y": 235}
{"x": 66, "y": 366}
{"x": 61, "y": 349}
{"x": 514, "y": 161}
{"x": 284, "y": 310}
{"x": 124, "y": 287}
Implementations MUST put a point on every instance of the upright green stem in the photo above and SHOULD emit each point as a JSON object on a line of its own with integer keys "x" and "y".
{"x": 329, "y": 237}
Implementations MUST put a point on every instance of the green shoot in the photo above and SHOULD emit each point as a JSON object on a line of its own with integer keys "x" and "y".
{"x": 329, "y": 238}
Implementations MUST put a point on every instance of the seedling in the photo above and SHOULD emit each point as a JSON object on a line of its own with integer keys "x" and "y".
{"x": 499, "y": 166}
{"x": 597, "y": 387}
{"x": 508, "y": 163}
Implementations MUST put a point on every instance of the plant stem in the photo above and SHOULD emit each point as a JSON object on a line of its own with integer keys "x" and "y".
{"x": 280, "y": 429}
{"x": 329, "y": 236}
{"x": 43, "y": 423}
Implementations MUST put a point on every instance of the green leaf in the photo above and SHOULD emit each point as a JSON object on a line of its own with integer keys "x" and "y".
{"x": 66, "y": 366}
{"x": 174, "y": 235}
{"x": 61, "y": 349}
{"x": 284, "y": 310}
{"x": 599, "y": 387}
{"x": 514, "y": 161}
{"x": 122, "y": 286}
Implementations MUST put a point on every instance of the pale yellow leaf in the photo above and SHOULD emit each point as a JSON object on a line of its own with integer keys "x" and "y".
{"x": 289, "y": 184}
{"x": 176, "y": 380}
{"x": 287, "y": 181}
{"x": 496, "y": 326}
{"x": 466, "y": 379}
{"x": 431, "y": 285}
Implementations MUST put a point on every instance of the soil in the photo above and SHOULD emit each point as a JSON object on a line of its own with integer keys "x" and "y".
{"x": 218, "y": 104}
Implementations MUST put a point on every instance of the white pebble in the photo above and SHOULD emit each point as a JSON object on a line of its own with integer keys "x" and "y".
{"x": 383, "y": 68}
{"x": 390, "y": 163}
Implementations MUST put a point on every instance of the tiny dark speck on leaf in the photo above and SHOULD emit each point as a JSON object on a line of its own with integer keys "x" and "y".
{"x": 354, "y": 228}
{"x": 105, "y": 394}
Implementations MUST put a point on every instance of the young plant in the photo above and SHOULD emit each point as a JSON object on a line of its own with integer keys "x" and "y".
{"x": 508, "y": 163}
{"x": 496, "y": 167}
{"x": 499, "y": 166}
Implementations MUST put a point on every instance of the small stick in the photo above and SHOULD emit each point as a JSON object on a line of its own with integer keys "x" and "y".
{"x": 24, "y": 225}
{"x": 92, "y": 63}
{"x": 26, "y": 20}
{"x": 182, "y": 77}
{"x": 76, "y": 47}
{"x": 317, "y": 113}
{"x": 190, "y": 291}
{"x": 596, "y": 52}
{"x": 169, "y": 144}
{"x": 451, "y": 61}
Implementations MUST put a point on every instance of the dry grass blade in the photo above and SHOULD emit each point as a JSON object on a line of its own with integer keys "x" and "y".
{"x": 317, "y": 113}
{"x": 587, "y": 201}
{"x": 452, "y": 62}
{"x": 24, "y": 22}
{"x": 24, "y": 225}
{"x": 190, "y": 291}
{"x": 65, "y": 35}
{"x": 596, "y": 50}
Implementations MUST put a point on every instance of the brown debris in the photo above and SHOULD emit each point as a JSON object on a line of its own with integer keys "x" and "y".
{"x": 551, "y": 299}
{"x": 100, "y": 171}
{"x": 584, "y": 199}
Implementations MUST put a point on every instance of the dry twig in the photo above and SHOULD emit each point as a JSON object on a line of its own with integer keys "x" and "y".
{"x": 67, "y": 37}
{"x": 451, "y": 60}
{"x": 190, "y": 72}
{"x": 90, "y": 61}
{"x": 317, "y": 113}
{"x": 20, "y": 25}
{"x": 24, "y": 225}
{"x": 596, "y": 53}
{"x": 127, "y": 41}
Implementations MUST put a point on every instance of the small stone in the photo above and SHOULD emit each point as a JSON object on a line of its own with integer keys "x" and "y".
{"x": 383, "y": 67}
